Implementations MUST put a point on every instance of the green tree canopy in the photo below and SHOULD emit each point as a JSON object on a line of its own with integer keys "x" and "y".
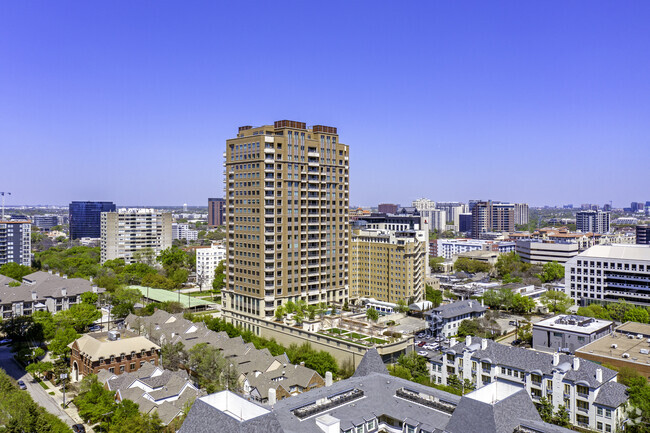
{"x": 372, "y": 314}
{"x": 556, "y": 301}
{"x": 552, "y": 271}
{"x": 471, "y": 266}
{"x": 636, "y": 314}
{"x": 15, "y": 271}
{"x": 433, "y": 296}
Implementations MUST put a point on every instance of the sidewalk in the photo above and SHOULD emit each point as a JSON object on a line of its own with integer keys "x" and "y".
{"x": 71, "y": 409}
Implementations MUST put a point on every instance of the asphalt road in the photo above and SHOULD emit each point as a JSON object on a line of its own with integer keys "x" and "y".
{"x": 38, "y": 393}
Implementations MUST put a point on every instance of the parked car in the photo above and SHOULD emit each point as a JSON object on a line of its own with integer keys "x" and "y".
{"x": 79, "y": 428}
{"x": 95, "y": 328}
{"x": 22, "y": 385}
{"x": 422, "y": 343}
{"x": 422, "y": 353}
{"x": 516, "y": 342}
{"x": 416, "y": 342}
{"x": 5, "y": 341}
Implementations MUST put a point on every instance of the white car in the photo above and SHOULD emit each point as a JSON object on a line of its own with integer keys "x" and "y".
{"x": 430, "y": 347}
{"x": 422, "y": 353}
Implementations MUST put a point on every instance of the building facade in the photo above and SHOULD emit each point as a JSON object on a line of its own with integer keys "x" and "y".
{"x": 567, "y": 333}
{"x": 521, "y": 213}
{"x": 444, "y": 320}
{"x": 207, "y": 260}
{"x": 489, "y": 216}
{"x": 594, "y": 221}
{"x": 216, "y": 212}
{"x": 130, "y": 231}
{"x": 86, "y": 218}
{"x": 45, "y": 222}
{"x": 387, "y": 208}
{"x": 607, "y": 273}
{"x": 183, "y": 231}
{"x": 287, "y": 219}
{"x": 643, "y": 235}
{"x": 540, "y": 252}
{"x": 16, "y": 242}
{"x": 387, "y": 265}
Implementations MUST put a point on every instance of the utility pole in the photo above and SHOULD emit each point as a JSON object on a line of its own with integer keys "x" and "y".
{"x": 3, "y": 193}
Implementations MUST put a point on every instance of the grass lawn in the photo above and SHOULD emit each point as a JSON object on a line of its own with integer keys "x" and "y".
{"x": 42, "y": 384}
{"x": 337, "y": 331}
{"x": 374, "y": 340}
{"x": 357, "y": 336}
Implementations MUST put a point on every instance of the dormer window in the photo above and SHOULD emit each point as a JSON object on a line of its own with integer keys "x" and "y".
{"x": 112, "y": 359}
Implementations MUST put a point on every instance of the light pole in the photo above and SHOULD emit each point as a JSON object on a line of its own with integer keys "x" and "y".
{"x": 3, "y": 193}
{"x": 63, "y": 377}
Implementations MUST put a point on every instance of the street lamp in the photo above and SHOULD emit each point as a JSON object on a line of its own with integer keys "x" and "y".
{"x": 63, "y": 377}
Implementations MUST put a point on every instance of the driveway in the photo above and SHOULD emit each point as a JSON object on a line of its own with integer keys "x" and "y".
{"x": 40, "y": 395}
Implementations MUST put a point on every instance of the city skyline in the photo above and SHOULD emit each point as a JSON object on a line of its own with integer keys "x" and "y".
{"x": 520, "y": 103}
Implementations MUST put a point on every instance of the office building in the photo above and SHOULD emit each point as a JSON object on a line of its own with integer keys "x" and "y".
{"x": 490, "y": 217}
{"x": 207, "y": 260}
{"x": 216, "y": 212}
{"x": 86, "y": 217}
{"x": 521, "y": 213}
{"x": 183, "y": 231}
{"x": 435, "y": 219}
{"x": 45, "y": 222}
{"x": 589, "y": 392}
{"x": 567, "y": 333}
{"x": 444, "y": 320}
{"x": 287, "y": 219}
{"x": 388, "y": 265}
{"x": 16, "y": 242}
{"x": 608, "y": 273}
{"x": 643, "y": 235}
{"x": 129, "y": 231}
{"x": 373, "y": 401}
{"x": 423, "y": 204}
{"x": 452, "y": 210}
{"x": 592, "y": 221}
{"x": 387, "y": 208}
{"x": 465, "y": 222}
{"x": 539, "y": 252}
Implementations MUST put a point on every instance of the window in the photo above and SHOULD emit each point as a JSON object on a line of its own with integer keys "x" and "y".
{"x": 599, "y": 411}
{"x": 608, "y": 413}
{"x": 608, "y": 428}
{"x": 582, "y": 405}
{"x": 121, "y": 369}
{"x": 141, "y": 363}
{"x": 132, "y": 366}
{"x": 599, "y": 426}
{"x": 111, "y": 370}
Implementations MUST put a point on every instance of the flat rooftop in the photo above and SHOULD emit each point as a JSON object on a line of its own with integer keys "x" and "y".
{"x": 624, "y": 252}
{"x": 161, "y": 295}
{"x": 494, "y": 392}
{"x": 618, "y": 343}
{"x": 235, "y": 406}
{"x": 573, "y": 323}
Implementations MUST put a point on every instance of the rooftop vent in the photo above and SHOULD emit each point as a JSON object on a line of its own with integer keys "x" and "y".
{"x": 113, "y": 335}
{"x": 328, "y": 403}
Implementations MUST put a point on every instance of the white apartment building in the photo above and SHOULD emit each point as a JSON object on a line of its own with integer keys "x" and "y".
{"x": 448, "y": 248}
{"x": 589, "y": 392}
{"x": 207, "y": 260}
{"x": 183, "y": 231}
{"x": 16, "y": 242}
{"x": 128, "y": 231}
{"x": 594, "y": 221}
{"x": 521, "y": 213}
{"x": 444, "y": 320}
{"x": 607, "y": 273}
{"x": 423, "y": 204}
{"x": 540, "y": 252}
{"x": 435, "y": 219}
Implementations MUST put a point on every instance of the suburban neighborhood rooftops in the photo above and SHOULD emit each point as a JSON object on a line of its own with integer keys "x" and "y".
{"x": 458, "y": 308}
{"x": 39, "y": 286}
{"x": 97, "y": 346}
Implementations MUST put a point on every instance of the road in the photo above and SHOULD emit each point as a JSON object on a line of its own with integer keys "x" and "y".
{"x": 40, "y": 395}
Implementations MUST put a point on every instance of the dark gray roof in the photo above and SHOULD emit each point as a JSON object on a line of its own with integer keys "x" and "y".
{"x": 612, "y": 394}
{"x": 458, "y": 308}
{"x": 45, "y": 285}
{"x": 474, "y": 416}
{"x": 204, "y": 418}
{"x": 370, "y": 363}
{"x": 531, "y": 360}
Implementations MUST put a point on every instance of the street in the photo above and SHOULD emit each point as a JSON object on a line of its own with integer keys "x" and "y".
{"x": 37, "y": 392}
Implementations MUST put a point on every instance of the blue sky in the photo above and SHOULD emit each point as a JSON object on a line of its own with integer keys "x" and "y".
{"x": 544, "y": 102}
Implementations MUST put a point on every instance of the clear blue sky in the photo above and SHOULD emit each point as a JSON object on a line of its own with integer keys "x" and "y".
{"x": 545, "y": 102}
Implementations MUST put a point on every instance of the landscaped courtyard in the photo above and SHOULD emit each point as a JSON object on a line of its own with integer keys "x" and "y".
{"x": 355, "y": 337}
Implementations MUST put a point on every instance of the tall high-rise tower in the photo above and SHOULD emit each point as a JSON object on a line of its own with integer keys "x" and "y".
{"x": 286, "y": 219}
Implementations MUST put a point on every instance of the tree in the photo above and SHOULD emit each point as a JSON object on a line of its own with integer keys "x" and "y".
{"x": 552, "y": 271}
{"x": 123, "y": 301}
{"x": 522, "y": 304}
{"x": 94, "y": 401}
{"x": 213, "y": 371}
{"x": 146, "y": 256}
{"x": 402, "y": 306}
{"x": 471, "y": 266}
{"x": 15, "y": 271}
{"x": 321, "y": 361}
{"x": 556, "y": 301}
{"x": 467, "y": 327}
{"x": 158, "y": 281}
{"x": 44, "y": 321}
{"x": 433, "y": 296}
{"x": 79, "y": 316}
{"x": 62, "y": 337}
{"x": 562, "y": 417}
{"x": 636, "y": 314}
{"x": 173, "y": 355}
{"x": 545, "y": 409}
{"x": 372, "y": 314}
{"x": 279, "y": 313}
{"x": 89, "y": 298}
{"x": 617, "y": 310}
{"x": 436, "y": 263}
{"x": 219, "y": 281}
{"x": 595, "y": 310}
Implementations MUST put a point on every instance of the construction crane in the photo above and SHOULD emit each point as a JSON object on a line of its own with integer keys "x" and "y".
{"x": 3, "y": 193}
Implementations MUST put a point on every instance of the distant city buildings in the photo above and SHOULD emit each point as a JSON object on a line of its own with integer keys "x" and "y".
{"x": 207, "y": 260}
{"x": 594, "y": 221}
{"x": 465, "y": 222}
{"x": 387, "y": 208}
{"x": 45, "y": 222}
{"x": 183, "y": 231}
{"x": 86, "y": 216}
{"x": 388, "y": 265}
{"x": 129, "y": 231}
{"x": 489, "y": 216}
{"x": 521, "y": 213}
{"x": 539, "y": 252}
{"x": 608, "y": 273}
{"x": 216, "y": 212}
{"x": 16, "y": 242}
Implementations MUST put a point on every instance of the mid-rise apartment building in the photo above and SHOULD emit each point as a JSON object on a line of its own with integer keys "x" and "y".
{"x": 207, "y": 260}
{"x": 388, "y": 265}
{"x": 607, "y": 273}
{"x": 521, "y": 213}
{"x": 183, "y": 231}
{"x": 287, "y": 218}
{"x": 589, "y": 392}
{"x": 86, "y": 218}
{"x": 216, "y": 212}
{"x": 444, "y": 320}
{"x": 643, "y": 235}
{"x": 129, "y": 231}
{"x": 16, "y": 242}
{"x": 489, "y": 217}
{"x": 595, "y": 221}
{"x": 423, "y": 204}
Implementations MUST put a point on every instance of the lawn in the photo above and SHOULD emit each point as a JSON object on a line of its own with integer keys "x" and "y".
{"x": 42, "y": 384}
{"x": 337, "y": 331}
{"x": 374, "y": 340}
{"x": 357, "y": 336}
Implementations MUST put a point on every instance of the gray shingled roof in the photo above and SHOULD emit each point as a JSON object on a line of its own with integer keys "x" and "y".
{"x": 45, "y": 285}
{"x": 370, "y": 363}
{"x": 612, "y": 394}
{"x": 458, "y": 308}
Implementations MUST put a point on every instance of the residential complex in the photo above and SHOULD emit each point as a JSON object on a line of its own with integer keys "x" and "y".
{"x": 388, "y": 265}
{"x": 86, "y": 218}
{"x": 444, "y": 320}
{"x": 589, "y": 392}
{"x": 595, "y": 221}
{"x": 129, "y": 231}
{"x": 207, "y": 260}
{"x": 183, "y": 231}
{"x": 450, "y": 248}
{"x": 521, "y": 213}
{"x": 16, "y": 242}
{"x": 489, "y": 216}
{"x": 608, "y": 273}
{"x": 287, "y": 219}
{"x": 216, "y": 212}
{"x": 567, "y": 333}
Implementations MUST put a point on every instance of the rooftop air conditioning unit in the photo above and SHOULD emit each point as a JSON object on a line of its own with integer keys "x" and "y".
{"x": 639, "y": 336}
{"x": 626, "y": 355}
{"x": 614, "y": 346}
{"x": 644, "y": 351}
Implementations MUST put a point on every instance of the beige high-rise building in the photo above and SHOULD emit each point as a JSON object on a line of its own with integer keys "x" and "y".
{"x": 129, "y": 231}
{"x": 388, "y": 265}
{"x": 286, "y": 218}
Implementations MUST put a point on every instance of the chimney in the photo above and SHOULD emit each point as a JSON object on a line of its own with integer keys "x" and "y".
{"x": 49, "y": 271}
{"x": 95, "y": 289}
{"x": 576, "y": 363}
{"x": 468, "y": 340}
{"x": 482, "y": 303}
{"x": 272, "y": 399}
{"x": 302, "y": 363}
{"x": 328, "y": 378}
{"x": 34, "y": 296}
{"x": 64, "y": 292}
{"x": 483, "y": 343}
{"x": 599, "y": 374}
{"x": 556, "y": 359}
